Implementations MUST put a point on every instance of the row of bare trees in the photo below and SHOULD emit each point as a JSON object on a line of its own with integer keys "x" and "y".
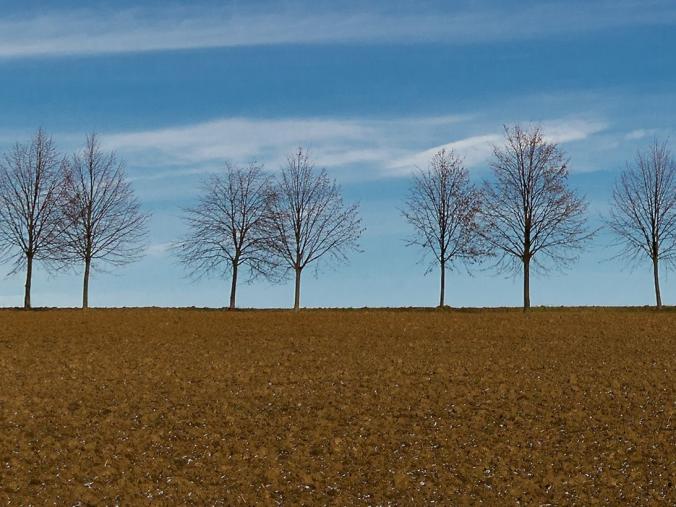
{"x": 67, "y": 211}
{"x": 528, "y": 215}
{"x": 271, "y": 227}
{"x": 80, "y": 210}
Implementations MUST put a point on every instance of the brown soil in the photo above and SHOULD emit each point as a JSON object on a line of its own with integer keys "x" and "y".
{"x": 337, "y": 407}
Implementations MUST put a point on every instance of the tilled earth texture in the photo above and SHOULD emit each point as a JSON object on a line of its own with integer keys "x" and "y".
{"x": 372, "y": 407}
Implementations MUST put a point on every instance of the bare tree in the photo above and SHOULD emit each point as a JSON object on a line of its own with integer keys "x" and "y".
{"x": 309, "y": 221}
{"x": 530, "y": 214}
{"x": 102, "y": 222}
{"x": 226, "y": 228}
{"x": 643, "y": 212}
{"x": 443, "y": 206}
{"x": 30, "y": 180}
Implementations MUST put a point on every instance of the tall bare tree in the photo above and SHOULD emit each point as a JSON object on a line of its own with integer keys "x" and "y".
{"x": 309, "y": 221}
{"x": 443, "y": 206}
{"x": 226, "y": 227}
{"x": 530, "y": 215}
{"x": 643, "y": 212}
{"x": 102, "y": 222}
{"x": 30, "y": 180}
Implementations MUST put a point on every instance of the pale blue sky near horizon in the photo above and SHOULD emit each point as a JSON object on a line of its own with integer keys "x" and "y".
{"x": 372, "y": 89}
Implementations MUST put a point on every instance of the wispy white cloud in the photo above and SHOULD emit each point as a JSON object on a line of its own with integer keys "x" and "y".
{"x": 268, "y": 140}
{"x": 473, "y": 150}
{"x": 568, "y": 130}
{"x": 85, "y": 31}
{"x": 476, "y": 150}
{"x": 157, "y": 249}
{"x": 203, "y": 147}
{"x": 234, "y": 137}
{"x": 245, "y": 139}
{"x": 637, "y": 134}
{"x": 389, "y": 147}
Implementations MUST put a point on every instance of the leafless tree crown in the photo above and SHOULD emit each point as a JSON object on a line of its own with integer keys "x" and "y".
{"x": 643, "y": 212}
{"x": 29, "y": 196}
{"x": 442, "y": 207}
{"x": 529, "y": 208}
{"x": 309, "y": 219}
{"x": 226, "y": 228}
{"x": 102, "y": 218}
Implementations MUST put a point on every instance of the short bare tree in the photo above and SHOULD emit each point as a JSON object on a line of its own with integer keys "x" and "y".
{"x": 643, "y": 211}
{"x": 102, "y": 222}
{"x": 530, "y": 215}
{"x": 30, "y": 186}
{"x": 226, "y": 227}
{"x": 442, "y": 206}
{"x": 309, "y": 221}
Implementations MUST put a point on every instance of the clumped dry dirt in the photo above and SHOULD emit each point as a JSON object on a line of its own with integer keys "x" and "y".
{"x": 337, "y": 407}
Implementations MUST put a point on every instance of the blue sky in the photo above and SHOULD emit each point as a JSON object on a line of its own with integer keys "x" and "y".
{"x": 372, "y": 89}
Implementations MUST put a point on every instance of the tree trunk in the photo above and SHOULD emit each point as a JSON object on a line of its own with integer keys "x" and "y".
{"x": 296, "y": 298}
{"x": 85, "y": 284}
{"x": 233, "y": 286}
{"x": 526, "y": 284}
{"x": 442, "y": 284}
{"x": 656, "y": 276}
{"x": 29, "y": 276}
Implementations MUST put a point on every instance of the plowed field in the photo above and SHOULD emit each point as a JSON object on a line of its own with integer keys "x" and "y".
{"x": 337, "y": 407}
